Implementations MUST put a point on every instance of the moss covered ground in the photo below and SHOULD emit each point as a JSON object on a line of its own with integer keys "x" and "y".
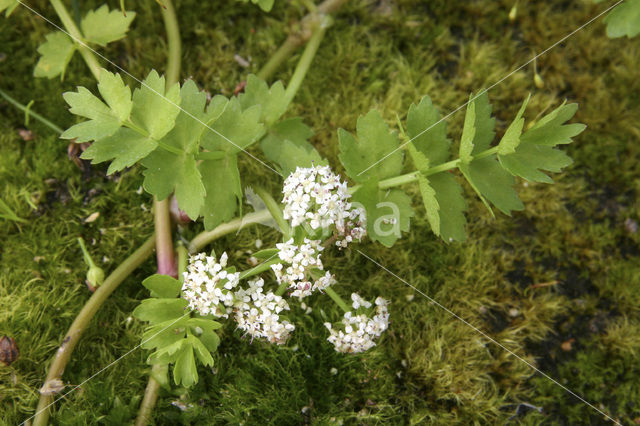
{"x": 558, "y": 284}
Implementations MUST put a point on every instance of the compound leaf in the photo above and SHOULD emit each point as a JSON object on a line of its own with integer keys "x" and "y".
{"x": 624, "y": 19}
{"x": 511, "y": 138}
{"x": 184, "y": 370}
{"x": 452, "y": 206}
{"x": 430, "y": 204}
{"x": 159, "y": 310}
{"x": 162, "y": 286}
{"x": 484, "y": 125}
{"x": 375, "y": 154}
{"x": 116, "y": 94}
{"x": 101, "y": 26}
{"x": 234, "y": 129}
{"x": 468, "y": 133}
{"x": 55, "y": 54}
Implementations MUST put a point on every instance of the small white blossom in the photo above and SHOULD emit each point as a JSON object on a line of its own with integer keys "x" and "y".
{"x": 358, "y": 332}
{"x": 207, "y": 286}
{"x": 258, "y": 313}
{"x": 317, "y": 197}
{"x": 299, "y": 261}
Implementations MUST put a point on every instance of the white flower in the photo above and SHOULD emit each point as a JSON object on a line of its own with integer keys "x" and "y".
{"x": 258, "y": 314}
{"x": 207, "y": 286}
{"x": 359, "y": 332}
{"x": 317, "y": 197}
{"x": 299, "y": 261}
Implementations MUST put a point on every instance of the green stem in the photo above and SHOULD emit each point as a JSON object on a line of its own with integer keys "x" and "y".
{"x": 307, "y": 57}
{"x": 70, "y": 25}
{"x": 87, "y": 257}
{"x": 204, "y": 238}
{"x": 81, "y": 322}
{"x": 162, "y": 218}
{"x": 174, "y": 45}
{"x": 275, "y": 210}
{"x": 298, "y": 38}
{"x": 258, "y": 269}
{"x": 35, "y": 115}
{"x": 413, "y": 176}
{"x": 336, "y": 298}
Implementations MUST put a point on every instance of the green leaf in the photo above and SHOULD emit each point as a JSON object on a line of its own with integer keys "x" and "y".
{"x": 203, "y": 323}
{"x": 55, "y": 54}
{"x": 201, "y": 350}
{"x": 101, "y": 26}
{"x": 452, "y": 206}
{"x": 427, "y": 136}
{"x": 430, "y": 204}
{"x": 272, "y": 100}
{"x": 376, "y": 150}
{"x": 491, "y": 182}
{"x": 167, "y": 172}
{"x": 624, "y": 19}
{"x": 184, "y": 371}
{"x": 154, "y": 109}
{"x": 221, "y": 179}
{"x": 511, "y": 138}
{"x": 388, "y": 212}
{"x": 164, "y": 334}
{"x": 9, "y": 5}
{"x": 116, "y": 94}
{"x": 536, "y": 150}
{"x": 169, "y": 353}
{"x": 265, "y": 5}
{"x": 551, "y": 130}
{"x": 468, "y": 133}
{"x": 266, "y": 253}
{"x": 286, "y": 145}
{"x": 484, "y": 124}
{"x": 124, "y": 148}
{"x": 162, "y": 286}
{"x": 159, "y": 310}
{"x": 210, "y": 340}
{"x": 419, "y": 159}
{"x": 235, "y": 129}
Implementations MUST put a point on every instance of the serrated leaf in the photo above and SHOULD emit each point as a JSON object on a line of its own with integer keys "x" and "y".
{"x": 124, "y": 148}
{"x": 166, "y": 172}
{"x": 234, "y": 129}
{"x": 159, "y": 310}
{"x": 272, "y": 100}
{"x": 55, "y": 54}
{"x": 221, "y": 179}
{"x": 430, "y": 203}
{"x": 101, "y": 26}
{"x": 388, "y": 212}
{"x": 167, "y": 354}
{"x": 419, "y": 159}
{"x": 164, "y": 334}
{"x": 536, "y": 151}
{"x": 162, "y": 286}
{"x": 452, "y": 206}
{"x": 551, "y": 130}
{"x": 116, "y": 94}
{"x": 184, "y": 370}
{"x": 624, "y": 20}
{"x": 375, "y": 150}
{"x": 491, "y": 182}
{"x": 433, "y": 143}
{"x": 511, "y": 138}
{"x": 286, "y": 145}
{"x": 154, "y": 109}
{"x": 201, "y": 350}
{"x": 484, "y": 124}
{"x": 468, "y": 133}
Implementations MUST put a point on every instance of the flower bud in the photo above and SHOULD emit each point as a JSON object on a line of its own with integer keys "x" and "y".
{"x": 95, "y": 278}
{"x": 8, "y": 350}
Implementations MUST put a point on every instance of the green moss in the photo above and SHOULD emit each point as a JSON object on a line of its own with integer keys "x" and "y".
{"x": 565, "y": 268}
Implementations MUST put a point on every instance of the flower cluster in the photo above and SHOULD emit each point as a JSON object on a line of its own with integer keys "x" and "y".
{"x": 359, "y": 331}
{"x": 207, "y": 285}
{"x": 301, "y": 259}
{"x": 258, "y": 313}
{"x": 316, "y": 196}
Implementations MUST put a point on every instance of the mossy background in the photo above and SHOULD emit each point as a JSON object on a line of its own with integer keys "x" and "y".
{"x": 577, "y": 236}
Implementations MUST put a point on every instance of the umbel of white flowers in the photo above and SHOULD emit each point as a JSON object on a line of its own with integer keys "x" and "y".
{"x": 315, "y": 196}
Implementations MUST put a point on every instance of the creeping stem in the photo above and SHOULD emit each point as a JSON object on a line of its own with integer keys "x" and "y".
{"x": 71, "y": 27}
{"x": 81, "y": 322}
{"x": 307, "y": 57}
{"x": 299, "y": 37}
